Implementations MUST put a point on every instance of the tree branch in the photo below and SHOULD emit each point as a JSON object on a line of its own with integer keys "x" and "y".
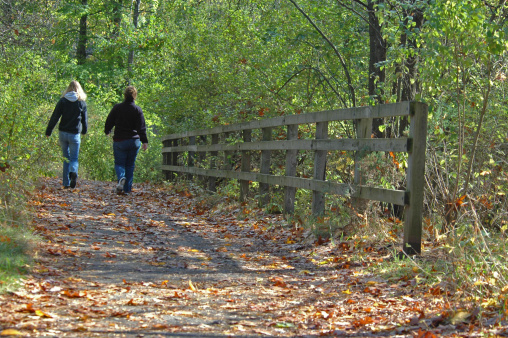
{"x": 341, "y": 59}
{"x": 353, "y": 10}
{"x": 359, "y": 14}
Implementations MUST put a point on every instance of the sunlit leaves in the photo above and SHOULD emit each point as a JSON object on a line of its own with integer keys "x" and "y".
{"x": 320, "y": 289}
{"x": 11, "y": 332}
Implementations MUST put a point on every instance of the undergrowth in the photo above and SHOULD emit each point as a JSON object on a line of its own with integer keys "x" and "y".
{"x": 16, "y": 237}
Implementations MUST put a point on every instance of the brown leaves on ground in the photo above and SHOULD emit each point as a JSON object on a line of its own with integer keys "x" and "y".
{"x": 160, "y": 261}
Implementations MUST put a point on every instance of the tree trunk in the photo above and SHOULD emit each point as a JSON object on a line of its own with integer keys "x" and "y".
{"x": 409, "y": 84}
{"x": 82, "y": 39}
{"x": 135, "y": 18}
{"x": 377, "y": 53}
{"x": 117, "y": 17}
{"x": 410, "y": 81}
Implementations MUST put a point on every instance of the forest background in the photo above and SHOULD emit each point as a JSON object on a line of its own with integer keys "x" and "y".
{"x": 203, "y": 63}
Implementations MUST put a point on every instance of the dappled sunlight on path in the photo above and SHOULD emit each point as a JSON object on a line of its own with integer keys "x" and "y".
{"x": 161, "y": 263}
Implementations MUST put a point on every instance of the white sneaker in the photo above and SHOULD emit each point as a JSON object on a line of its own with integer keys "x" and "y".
{"x": 119, "y": 187}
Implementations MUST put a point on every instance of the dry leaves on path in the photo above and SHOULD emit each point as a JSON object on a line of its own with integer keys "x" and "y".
{"x": 158, "y": 263}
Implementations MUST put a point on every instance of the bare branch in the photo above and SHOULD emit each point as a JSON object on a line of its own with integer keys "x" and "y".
{"x": 339, "y": 55}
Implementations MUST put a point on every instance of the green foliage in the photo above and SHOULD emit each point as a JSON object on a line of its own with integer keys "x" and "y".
{"x": 464, "y": 81}
{"x": 479, "y": 269}
{"x": 199, "y": 64}
{"x": 16, "y": 239}
{"x": 14, "y": 254}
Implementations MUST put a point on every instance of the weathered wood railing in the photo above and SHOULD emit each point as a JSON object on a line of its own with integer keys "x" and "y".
{"x": 185, "y": 146}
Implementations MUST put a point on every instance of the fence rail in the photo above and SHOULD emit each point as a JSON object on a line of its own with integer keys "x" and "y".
{"x": 184, "y": 152}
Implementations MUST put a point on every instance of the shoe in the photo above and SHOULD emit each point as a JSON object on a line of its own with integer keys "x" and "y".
{"x": 119, "y": 187}
{"x": 72, "y": 177}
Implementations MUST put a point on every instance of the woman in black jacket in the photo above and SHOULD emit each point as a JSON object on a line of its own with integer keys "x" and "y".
{"x": 72, "y": 113}
{"x": 130, "y": 135}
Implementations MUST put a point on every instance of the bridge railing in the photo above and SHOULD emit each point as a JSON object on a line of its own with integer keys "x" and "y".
{"x": 188, "y": 152}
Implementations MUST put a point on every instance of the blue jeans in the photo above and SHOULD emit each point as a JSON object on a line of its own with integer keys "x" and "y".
{"x": 125, "y": 158}
{"x": 70, "y": 150}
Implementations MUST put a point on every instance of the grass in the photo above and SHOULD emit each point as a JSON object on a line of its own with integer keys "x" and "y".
{"x": 16, "y": 237}
{"x": 14, "y": 256}
{"x": 467, "y": 264}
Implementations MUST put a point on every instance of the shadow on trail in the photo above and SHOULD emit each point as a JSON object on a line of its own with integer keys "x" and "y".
{"x": 167, "y": 253}
{"x": 149, "y": 265}
{"x": 108, "y": 240}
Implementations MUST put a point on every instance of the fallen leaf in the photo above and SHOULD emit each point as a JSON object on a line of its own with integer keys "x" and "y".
{"x": 284, "y": 325}
{"x": 42, "y": 314}
{"x": 11, "y": 332}
{"x": 459, "y": 317}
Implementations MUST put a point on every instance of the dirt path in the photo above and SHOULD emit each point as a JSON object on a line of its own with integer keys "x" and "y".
{"x": 160, "y": 264}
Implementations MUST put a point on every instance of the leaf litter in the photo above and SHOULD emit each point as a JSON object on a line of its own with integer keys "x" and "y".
{"x": 158, "y": 263}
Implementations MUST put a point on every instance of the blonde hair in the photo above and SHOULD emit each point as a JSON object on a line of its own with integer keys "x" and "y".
{"x": 130, "y": 93}
{"x": 74, "y": 86}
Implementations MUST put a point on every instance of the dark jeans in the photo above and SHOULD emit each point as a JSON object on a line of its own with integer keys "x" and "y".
{"x": 125, "y": 158}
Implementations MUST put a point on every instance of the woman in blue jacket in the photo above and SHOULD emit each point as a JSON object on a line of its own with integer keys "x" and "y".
{"x": 130, "y": 135}
{"x": 72, "y": 113}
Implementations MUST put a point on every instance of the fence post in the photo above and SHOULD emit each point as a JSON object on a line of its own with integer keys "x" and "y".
{"x": 172, "y": 159}
{"x": 318, "y": 198}
{"x": 363, "y": 130}
{"x": 244, "y": 185}
{"x": 228, "y": 155}
{"x": 166, "y": 157}
{"x": 191, "y": 155}
{"x": 264, "y": 188}
{"x": 201, "y": 156}
{"x": 212, "y": 181}
{"x": 415, "y": 178}
{"x": 290, "y": 192}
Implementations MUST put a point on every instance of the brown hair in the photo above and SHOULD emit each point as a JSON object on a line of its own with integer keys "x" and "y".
{"x": 130, "y": 93}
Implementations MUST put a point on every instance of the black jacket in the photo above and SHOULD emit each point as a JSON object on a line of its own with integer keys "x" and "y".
{"x": 72, "y": 115}
{"x": 129, "y": 122}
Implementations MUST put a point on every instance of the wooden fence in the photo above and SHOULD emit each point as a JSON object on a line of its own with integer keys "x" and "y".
{"x": 189, "y": 152}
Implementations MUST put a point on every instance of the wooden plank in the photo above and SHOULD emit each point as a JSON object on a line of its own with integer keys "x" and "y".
{"x": 379, "y": 111}
{"x": 398, "y": 197}
{"x": 296, "y": 182}
{"x": 191, "y": 155}
{"x": 166, "y": 160}
{"x": 318, "y": 197}
{"x": 201, "y": 157}
{"x": 264, "y": 188}
{"x": 213, "y": 164}
{"x": 363, "y": 145}
{"x": 228, "y": 155}
{"x": 173, "y": 159}
{"x": 291, "y": 161}
{"x": 415, "y": 145}
{"x": 246, "y": 161}
{"x": 415, "y": 179}
{"x": 363, "y": 130}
